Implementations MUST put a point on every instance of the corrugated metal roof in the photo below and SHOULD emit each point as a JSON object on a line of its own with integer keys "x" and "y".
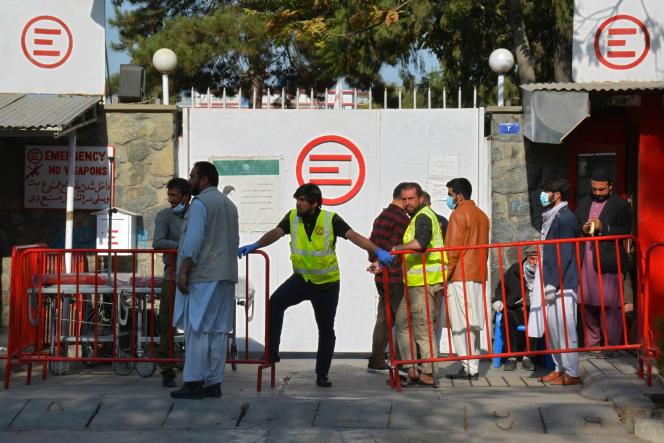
{"x": 53, "y": 113}
{"x": 595, "y": 86}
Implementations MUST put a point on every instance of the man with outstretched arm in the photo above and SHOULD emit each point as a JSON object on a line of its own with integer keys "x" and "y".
{"x": 315, "y": 278}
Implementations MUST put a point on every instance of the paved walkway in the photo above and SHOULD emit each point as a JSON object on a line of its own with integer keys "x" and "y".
{"x": 97, "y": 405}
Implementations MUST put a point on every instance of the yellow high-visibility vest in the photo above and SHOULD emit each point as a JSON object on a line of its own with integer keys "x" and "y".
{"x": 316, "y": 259}
{"x": 435, "y": 261}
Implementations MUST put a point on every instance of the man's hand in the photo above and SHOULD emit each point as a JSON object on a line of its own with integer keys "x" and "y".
{"x": 497, "y": 306}
{"x": 181, "y": 283}
{"x": 550, "y": 293}
{"x": 246, "y": 249}
{"x": 374, "y": 268}
{"x": 384, "y": 257}
{"x": 628, "y": 307}
{"x": 597, "y": 223}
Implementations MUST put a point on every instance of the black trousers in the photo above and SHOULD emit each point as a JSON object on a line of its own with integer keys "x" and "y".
{"x": 324, "y": 300}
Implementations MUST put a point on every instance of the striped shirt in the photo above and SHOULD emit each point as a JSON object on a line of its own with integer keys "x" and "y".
{"x": 387, "y": 232}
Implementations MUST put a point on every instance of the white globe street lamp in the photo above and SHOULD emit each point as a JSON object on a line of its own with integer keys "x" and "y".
{"x": 501, "y": 61}
{"x": 164, "y": 61}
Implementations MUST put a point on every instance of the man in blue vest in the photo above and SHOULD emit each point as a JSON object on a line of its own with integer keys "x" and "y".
{"x": 315, "y": 276}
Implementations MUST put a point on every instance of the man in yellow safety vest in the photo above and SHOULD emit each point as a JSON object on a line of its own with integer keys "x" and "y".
{"x": 315, "y": 276}
{"x": 424, "y": 285}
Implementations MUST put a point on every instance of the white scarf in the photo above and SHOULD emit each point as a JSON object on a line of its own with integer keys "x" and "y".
{"x": 548, "y": 217}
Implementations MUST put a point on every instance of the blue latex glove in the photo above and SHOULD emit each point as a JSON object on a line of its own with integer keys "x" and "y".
{"x": 384, "y": 257}
{"x": 246, "y": 249}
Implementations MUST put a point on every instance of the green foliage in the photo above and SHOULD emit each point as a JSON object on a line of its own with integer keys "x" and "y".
{"x": 311, "y": 43}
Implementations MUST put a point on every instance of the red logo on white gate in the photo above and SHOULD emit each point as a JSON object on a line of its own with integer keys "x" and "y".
{"x": 622, "y": 42}
{"x": 335, "y": 164}
{"x": 47, "y": 41}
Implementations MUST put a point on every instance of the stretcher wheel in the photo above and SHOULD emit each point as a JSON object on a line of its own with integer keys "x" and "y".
{"x": 123, "y": 368}
{"x": 58, "y": 367}
{"x": 88, "y": 352}
{"x": 146, "y": 369}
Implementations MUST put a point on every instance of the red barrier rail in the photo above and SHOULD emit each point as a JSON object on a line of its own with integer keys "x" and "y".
{"x": 106, "y": 315}
{"x": 568, "y": 296}
{"x": 649, "y": 345}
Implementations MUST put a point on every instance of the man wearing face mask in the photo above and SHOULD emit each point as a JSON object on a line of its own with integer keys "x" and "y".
{"x": 167, "y": 227}
{"x": 603, "y": 214}
{"x": 558, "y": 222}
{"x": 467, "y": 272}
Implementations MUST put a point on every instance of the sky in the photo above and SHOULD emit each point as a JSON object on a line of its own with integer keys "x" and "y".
{"x": 115, "y": 59}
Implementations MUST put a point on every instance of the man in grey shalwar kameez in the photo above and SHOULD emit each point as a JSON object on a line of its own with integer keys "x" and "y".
{"x": 206, "y": 277}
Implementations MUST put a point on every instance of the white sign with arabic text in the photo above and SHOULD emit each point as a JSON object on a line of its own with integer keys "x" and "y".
{"x": 46, "y": 171}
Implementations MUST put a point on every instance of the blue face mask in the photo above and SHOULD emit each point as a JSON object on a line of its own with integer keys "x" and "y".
{"x": 450, "y": 203}
{"x": 544, "y": 199}
{"x": 179, "y": 209}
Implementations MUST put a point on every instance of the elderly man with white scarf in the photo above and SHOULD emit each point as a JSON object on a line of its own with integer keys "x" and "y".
{"x": 559, "y": 297}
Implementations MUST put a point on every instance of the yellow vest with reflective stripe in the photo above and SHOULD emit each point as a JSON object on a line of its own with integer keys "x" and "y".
{"x": 435, "y": 261}
{"x": 315, "y": 260}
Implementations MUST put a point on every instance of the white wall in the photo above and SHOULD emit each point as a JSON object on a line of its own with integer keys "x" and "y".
{"x": 397, "y": 146}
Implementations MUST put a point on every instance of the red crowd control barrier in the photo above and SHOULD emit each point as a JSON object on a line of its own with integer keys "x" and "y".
{"x": 649, "y": 336}
{"x": 104, "y": 308}
{"x": 596, "y": 312}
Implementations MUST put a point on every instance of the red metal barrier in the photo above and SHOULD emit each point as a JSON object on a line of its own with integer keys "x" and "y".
{"x": 649, "y": 339}
{"x": 107, "y": 315}
{"x": 642, "y": 345}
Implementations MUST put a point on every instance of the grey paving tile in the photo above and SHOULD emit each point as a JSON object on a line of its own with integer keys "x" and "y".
{"x": 56, "y": 414}
{"x": 353, "y": 413}
{"x": 116, "y": 413}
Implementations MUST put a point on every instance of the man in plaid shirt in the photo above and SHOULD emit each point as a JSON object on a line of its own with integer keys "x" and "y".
{"x": 388, "y": 231}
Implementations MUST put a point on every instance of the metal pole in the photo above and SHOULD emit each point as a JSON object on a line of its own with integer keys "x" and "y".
{"x": 312, "y": 99}
{"x": 223, "y": 100}
{"x": 71, "y": 183}
{"x": 501, "y": 90}
{"x": 209, "y": 98}
{"x": 297, "y": 98}
{"x": 429, "y": 98}
{"x": 385, "y": 98}
{"x": 459, "y": 102}
{"x": 475, "y": 97}
{"x": 283, "y": 99}
{"x": 399, "y": 98}
{"x": 444, "y": 98}
{"x": 254, "y": 98}
{"x": 370, "y": 98}
{"x": 239, "y": 103}
{"x": 354, "y": 98}
{"x": 164, "y": 88}
{"x": 269, "y": 99}
{"x": 415, "y": 97}
{"x": 111, "y": 209}
{"x": 193, "y": 99}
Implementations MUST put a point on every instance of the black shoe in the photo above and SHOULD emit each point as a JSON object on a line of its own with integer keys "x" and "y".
{"x": 323, "y": 381}
{"x": 378, "y": 369}
{"x": 527, "y": 364}
{"x": 192, "y": 390}
{"x": 463, "y": 374}
{"x": 212, "y": 390}
{"x": 510, "y": 365}
{"x": 168, "y": 381}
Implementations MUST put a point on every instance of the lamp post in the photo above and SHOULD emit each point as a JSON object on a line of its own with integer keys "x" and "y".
{"x": 501, "y": 61}
{"x": 164, "y": 61}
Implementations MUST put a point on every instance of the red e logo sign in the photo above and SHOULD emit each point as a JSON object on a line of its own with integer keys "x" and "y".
{"x": 622, "y": 42}
{"x": 335, "y": 164}
{"x": 47, "y": 41}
